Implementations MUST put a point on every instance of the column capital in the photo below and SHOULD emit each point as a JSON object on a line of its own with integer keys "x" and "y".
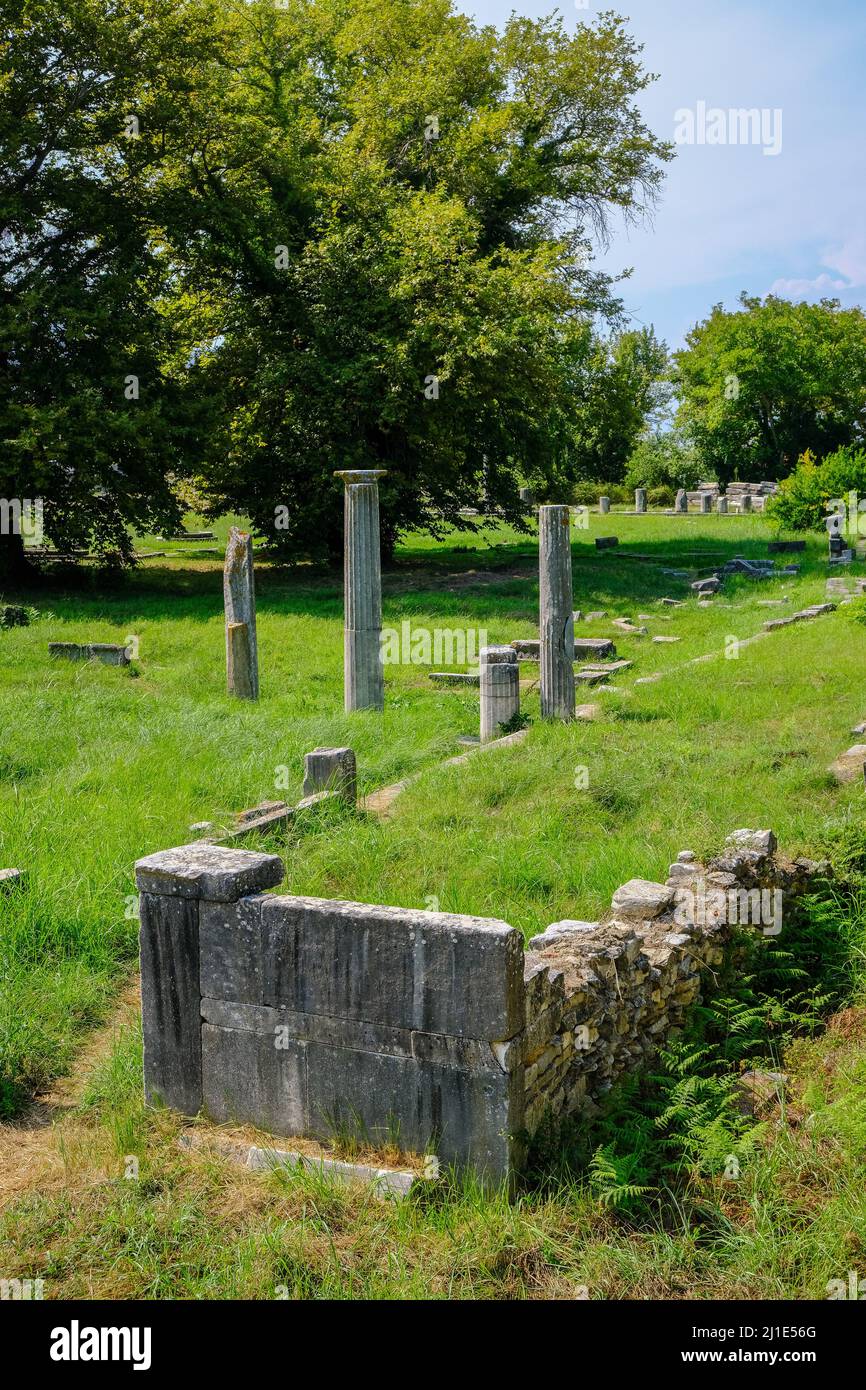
{"x": 359, "y": 475}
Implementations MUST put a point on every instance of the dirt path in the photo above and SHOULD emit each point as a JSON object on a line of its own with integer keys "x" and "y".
{"x": 31, "y": 1154}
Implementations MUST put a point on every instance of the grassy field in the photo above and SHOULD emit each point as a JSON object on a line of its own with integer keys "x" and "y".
{"x": 99, "y": 766}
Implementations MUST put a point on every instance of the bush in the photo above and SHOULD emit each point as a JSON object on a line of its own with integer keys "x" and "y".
{"x": 661, "y": 497}
{"x": 664, "y": 460}
{"x": 803, "y": 500}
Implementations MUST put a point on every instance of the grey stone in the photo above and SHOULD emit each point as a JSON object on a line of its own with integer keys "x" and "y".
{"x": 640, "y": 500}
{"x": 604, "y": 505}
{"x": 331, "y": 769}
{"x": 170, "y": 999}
{"x": 606, "y": 542}
{"x": 208, "y": 871}
{"x": 11, "y": 878}
{"x": 454, "y": 678}
{"x": 642, "y": 898}
{"x": 247, "y": 1079}
{"x": 385, "y": 1182}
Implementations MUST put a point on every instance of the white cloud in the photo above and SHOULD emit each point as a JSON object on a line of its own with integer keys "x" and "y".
{"x": 848, "y": 260}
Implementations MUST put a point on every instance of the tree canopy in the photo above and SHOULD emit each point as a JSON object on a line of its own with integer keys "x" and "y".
{"x": 320, "y": 234}
{"x": 762, "y": 385}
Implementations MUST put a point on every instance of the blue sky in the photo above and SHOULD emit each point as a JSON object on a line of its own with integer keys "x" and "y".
{"x": 731, "y": 217}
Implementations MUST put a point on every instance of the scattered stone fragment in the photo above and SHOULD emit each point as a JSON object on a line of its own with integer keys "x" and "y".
{"x": 606, "y": 542}
{"x": 762, "y": 842}
{"x": 773, "y": 602}
{"x": 672, "y": 602}
{"x": 686, "y": 856}
{"x": 848, "y": 767}
{"x": 649, "y": 680}
{"x": 641, "y": 898}
{"x": 595, "y": 616}
{"x": 707, "y": 586}
{"x": 664, "y": 637}
{"x": 202, "y": 827}
{"x": 331, "y": 769}
{"x": 675, "y": 574}
{"x": 454, "y": 678}
{"x": 529, "y": 648}
{"x": 859, "y": 728}
{"x": 758, "y": 1092}
{"x": 814, "y": 611}
{"x": 10, "y": 878}
{"x": 587, "y": 712}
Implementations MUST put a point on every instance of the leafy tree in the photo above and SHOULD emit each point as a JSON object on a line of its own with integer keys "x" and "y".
{"x": 760, "y": 386}
{"x": 380, "y": 230}
{"x": 816, "y": 489}
{"x": 623, "y": 388}
{"x": 92, "y": 420}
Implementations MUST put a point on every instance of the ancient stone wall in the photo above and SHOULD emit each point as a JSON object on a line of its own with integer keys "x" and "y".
{"x": 433, "y": 1032}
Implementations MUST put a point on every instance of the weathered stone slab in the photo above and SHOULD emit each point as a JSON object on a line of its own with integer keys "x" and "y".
{"x": 208, "y": 871}
{"x": 170, "y": 995}
{"x": 10, "y": 878}
{"x": 231, "y": 951}
{"x": 385, "y": 1182}
{"x": 528, "y": 648}
{"x": 815, "y": 611}
{"x": 606, "y": 542}
{"x": 247, "y": 1079}
{"x": 436, "y": 972}
{"x": 109, "y": 653}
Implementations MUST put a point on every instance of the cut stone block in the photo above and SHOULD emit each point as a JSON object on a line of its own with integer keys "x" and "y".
{"x": 208, "y": 871}
{"x": 587, "y": 712}
{"x": 663, "y": 638}
{"x": 109, "y": 653}
{"x": 815, "y": 611}
{"x": 437, "y": 972}
{"x": 606, "y": 542}
{"x": 529, "y": 648}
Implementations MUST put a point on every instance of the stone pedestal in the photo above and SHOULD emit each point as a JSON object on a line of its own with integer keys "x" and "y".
{"x": 364, "y": 685}
{"x": 682, "y": 502}
{"x": 640, "y": 499}
{"x": 500, "y": 689}
{"x": 604, "y": 505}
{"x": 722, "y": 506}
{"x": 706, "y": 503}
{"x": 556, "y": 622}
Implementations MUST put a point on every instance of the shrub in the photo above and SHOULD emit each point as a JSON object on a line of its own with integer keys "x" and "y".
{"x": 664, "y": 460}
{"x": 803, "y": 500}
{"x": 660, "y": 497}
{"x": 587, "y": 494}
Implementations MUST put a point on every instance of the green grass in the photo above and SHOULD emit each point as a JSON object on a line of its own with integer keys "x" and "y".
{"x": 99, "y": 766}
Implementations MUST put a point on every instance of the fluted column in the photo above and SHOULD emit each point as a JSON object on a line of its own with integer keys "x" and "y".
{"x": 500, "y": 689}
{"x": 556, "y": 621}
{"x": 364, "y": 686}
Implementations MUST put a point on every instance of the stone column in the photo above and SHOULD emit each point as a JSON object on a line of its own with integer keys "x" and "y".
{"x": 363, "y": 677}
{"x": 239, "y": 596}
{"x": 527, "y": 498}
{"x": 722, "y": 506}
{"x": 174, "y": 887}
{"x": 746, "y": 505}
{"x": 604, "y": 505}
{"x": 556, "y": 623}
{"x": 500, "y": 689}
{"x": 640, "y": 499}
{"x": 706, "y": 503}
{"x": 682, "y": 502}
